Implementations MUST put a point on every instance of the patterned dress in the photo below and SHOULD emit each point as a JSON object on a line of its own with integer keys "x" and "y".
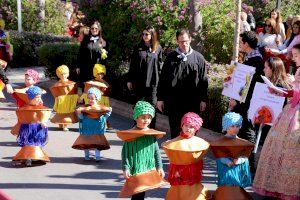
{"x": 278, "y": 171}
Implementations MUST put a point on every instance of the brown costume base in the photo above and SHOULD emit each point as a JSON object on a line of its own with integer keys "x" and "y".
{"x": 188, "y": 192}
{"x": 231, "y": 193}
{"x": 91, "y": 142}
{"x": 64, "y": 118}
{"x": 141, "y": 183}
{"x": 31, "y": 152}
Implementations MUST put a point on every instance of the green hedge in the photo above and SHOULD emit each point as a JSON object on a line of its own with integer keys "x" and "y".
{"x": 26, "y": 46}
{"x": 53, "y": 55}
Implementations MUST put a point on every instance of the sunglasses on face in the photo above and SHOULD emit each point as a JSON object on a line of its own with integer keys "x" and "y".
{"x": 268, "y": 25}
{"x": 146, "y": 34}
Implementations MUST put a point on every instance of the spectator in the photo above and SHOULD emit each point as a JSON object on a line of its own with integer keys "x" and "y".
{"x": 288, "y": 26}
{"x": 278, "y": 170}
{"x": 250, "y": 18}
{"x": 92, "y": 50}
{"x": 183, "y": 83}
{"x": 253, "y": 58}
{"x": 244, "y": 24}
{"x": 269, "y": 38}
{"x": 275, "y": 14}
{"x": 145, "y": 67}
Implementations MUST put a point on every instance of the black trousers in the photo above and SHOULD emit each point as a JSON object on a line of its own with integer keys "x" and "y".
{"x": 147, "y": 94}
{"x": 138, "y": 196}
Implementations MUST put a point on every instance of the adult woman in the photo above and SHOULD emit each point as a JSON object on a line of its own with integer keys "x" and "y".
{"x": 274, "y": 70}
{"x": 145, "y": 68}
{"x": 269, "y": 38}
{"x": 275, "y": 14}
{"x": 286, "y": 49}
{"x": 92, "y": 50}
{"x": 278, "y": 171}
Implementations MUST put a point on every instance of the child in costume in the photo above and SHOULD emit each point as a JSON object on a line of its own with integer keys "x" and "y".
{"x": 92, "y": 119}
{"x": 186, "y": 153}
{"x": 141, "y": 160}
{"x": 232, "y": 160}
{"x": 99, "y": 71}
{"x": 4, "y": 82}
{"x": 33, "y": 132}
{"x": 19, "y": 94}
{"x": 65, "y": 93}
{"x": 31, "y": 78}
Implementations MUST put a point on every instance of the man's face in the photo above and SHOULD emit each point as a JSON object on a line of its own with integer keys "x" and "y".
{"x": 243, "y": 46}
{"x": 184, "y": 42}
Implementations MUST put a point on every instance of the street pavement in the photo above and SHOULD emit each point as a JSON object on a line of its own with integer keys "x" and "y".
{"x": 68, "y": 175}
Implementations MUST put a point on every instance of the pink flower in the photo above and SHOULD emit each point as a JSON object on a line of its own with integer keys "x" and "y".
{"x": 181, "y": 17}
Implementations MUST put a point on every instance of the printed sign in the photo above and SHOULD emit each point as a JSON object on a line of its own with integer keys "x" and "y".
{"x": 236, "y": 84}
{"x": 264, "y": 106}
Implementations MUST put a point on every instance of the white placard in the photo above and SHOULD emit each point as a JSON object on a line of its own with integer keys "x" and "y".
{"x": 264, "y": 103}
{"x": 239, "y": 81}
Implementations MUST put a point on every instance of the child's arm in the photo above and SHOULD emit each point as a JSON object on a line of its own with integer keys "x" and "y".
{"x": 239, "y": 160}
{"x": 79, "y": 114}
{"x": 125, "y": 164}
{"x": 226, "y": 161}
{"x": 158, "y": 161}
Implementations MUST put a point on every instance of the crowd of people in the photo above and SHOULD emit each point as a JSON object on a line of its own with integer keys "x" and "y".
{"x": 178, "y": 87}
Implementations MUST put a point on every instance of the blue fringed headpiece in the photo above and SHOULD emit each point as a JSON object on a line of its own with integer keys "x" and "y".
{"x": 231, "y": 119}
{"x": 33, "y": 91}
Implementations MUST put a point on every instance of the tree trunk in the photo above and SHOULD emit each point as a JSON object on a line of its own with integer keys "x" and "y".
{"x": 195, "y": 25}
{"x": 236, "y": 43}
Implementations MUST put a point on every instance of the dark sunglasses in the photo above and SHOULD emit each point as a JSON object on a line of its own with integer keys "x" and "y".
{"x": 268, "y": 25}
{"x": 146, "y": 34}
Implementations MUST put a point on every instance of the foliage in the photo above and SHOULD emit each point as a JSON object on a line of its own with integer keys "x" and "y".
{"x": 53, "y": 55}
{"x": 262, "y": 8}
{"x": 55, "y": 20}
{"x": 26, "y": 46}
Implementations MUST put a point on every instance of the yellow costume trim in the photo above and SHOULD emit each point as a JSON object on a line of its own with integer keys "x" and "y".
{"x": 65, "y": 103}
{"x": 2, "y": 85}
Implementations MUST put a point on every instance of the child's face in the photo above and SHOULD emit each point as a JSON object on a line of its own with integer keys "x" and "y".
{"x": 143, "y": 121}
{"x": 29, "y": 81}
{"x": 267, "y": 70}
{"x": 100, "y": 76}
{"x": 36, "y": 100}
{"x": 188, "y": 129}
{"x": 233, "y": 130}
{"x": 92, "y": 100}
{"x": 63, "y": 76}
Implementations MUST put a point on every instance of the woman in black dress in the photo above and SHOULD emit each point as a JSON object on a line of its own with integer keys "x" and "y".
{"x": 93, "y": 49}
{"x": 145, "y": 67}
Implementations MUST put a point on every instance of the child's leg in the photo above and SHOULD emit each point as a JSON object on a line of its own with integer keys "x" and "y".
{"x": 138, "y": 196}
{"x": 97, "y": 155}
{"x": 87, "y": 154}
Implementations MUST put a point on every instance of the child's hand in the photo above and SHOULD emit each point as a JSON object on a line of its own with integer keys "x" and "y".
{"x": 235, "y": 161}
{"x": 161, "y": 173}
{"x": 44, "y": 125}
{"x": 177, "y": 175}
{"x": 78, "y": 111}
{"x": 230, "y": 164}
{"x": 79, "y": 101}
{"x": 9, "y": 89}
{"x": 110, "y": 109}
{"x": 126, "y": 174}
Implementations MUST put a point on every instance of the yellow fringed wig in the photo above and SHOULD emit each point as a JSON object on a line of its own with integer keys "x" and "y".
{"x": 63, "y": 69}
{"x": 98, "y": 68}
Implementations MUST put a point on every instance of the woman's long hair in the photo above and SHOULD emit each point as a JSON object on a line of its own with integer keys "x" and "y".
{"x": 273, "y": 24}
{"x": 278, "y": 19}
{"x": 154, "y": 38}
{"x": 278, "y": 72}
{"x": 293, "y": 34}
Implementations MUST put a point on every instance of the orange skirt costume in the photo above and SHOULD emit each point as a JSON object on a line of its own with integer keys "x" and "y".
{"x": 144, "y": 175}
{"x": 186, "y": 165}
{"x": 232, "y": 148}
{"x": 30, "y": 117}
{"x": 65, "y": 94}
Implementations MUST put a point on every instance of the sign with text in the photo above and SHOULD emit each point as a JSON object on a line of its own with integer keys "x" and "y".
{"x": 237, "y": 84}
{"x": 264, "y": 106}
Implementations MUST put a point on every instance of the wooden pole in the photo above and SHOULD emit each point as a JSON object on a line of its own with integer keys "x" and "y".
{"x": 19, "y": 10}
{"x": 238, "y": 5}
